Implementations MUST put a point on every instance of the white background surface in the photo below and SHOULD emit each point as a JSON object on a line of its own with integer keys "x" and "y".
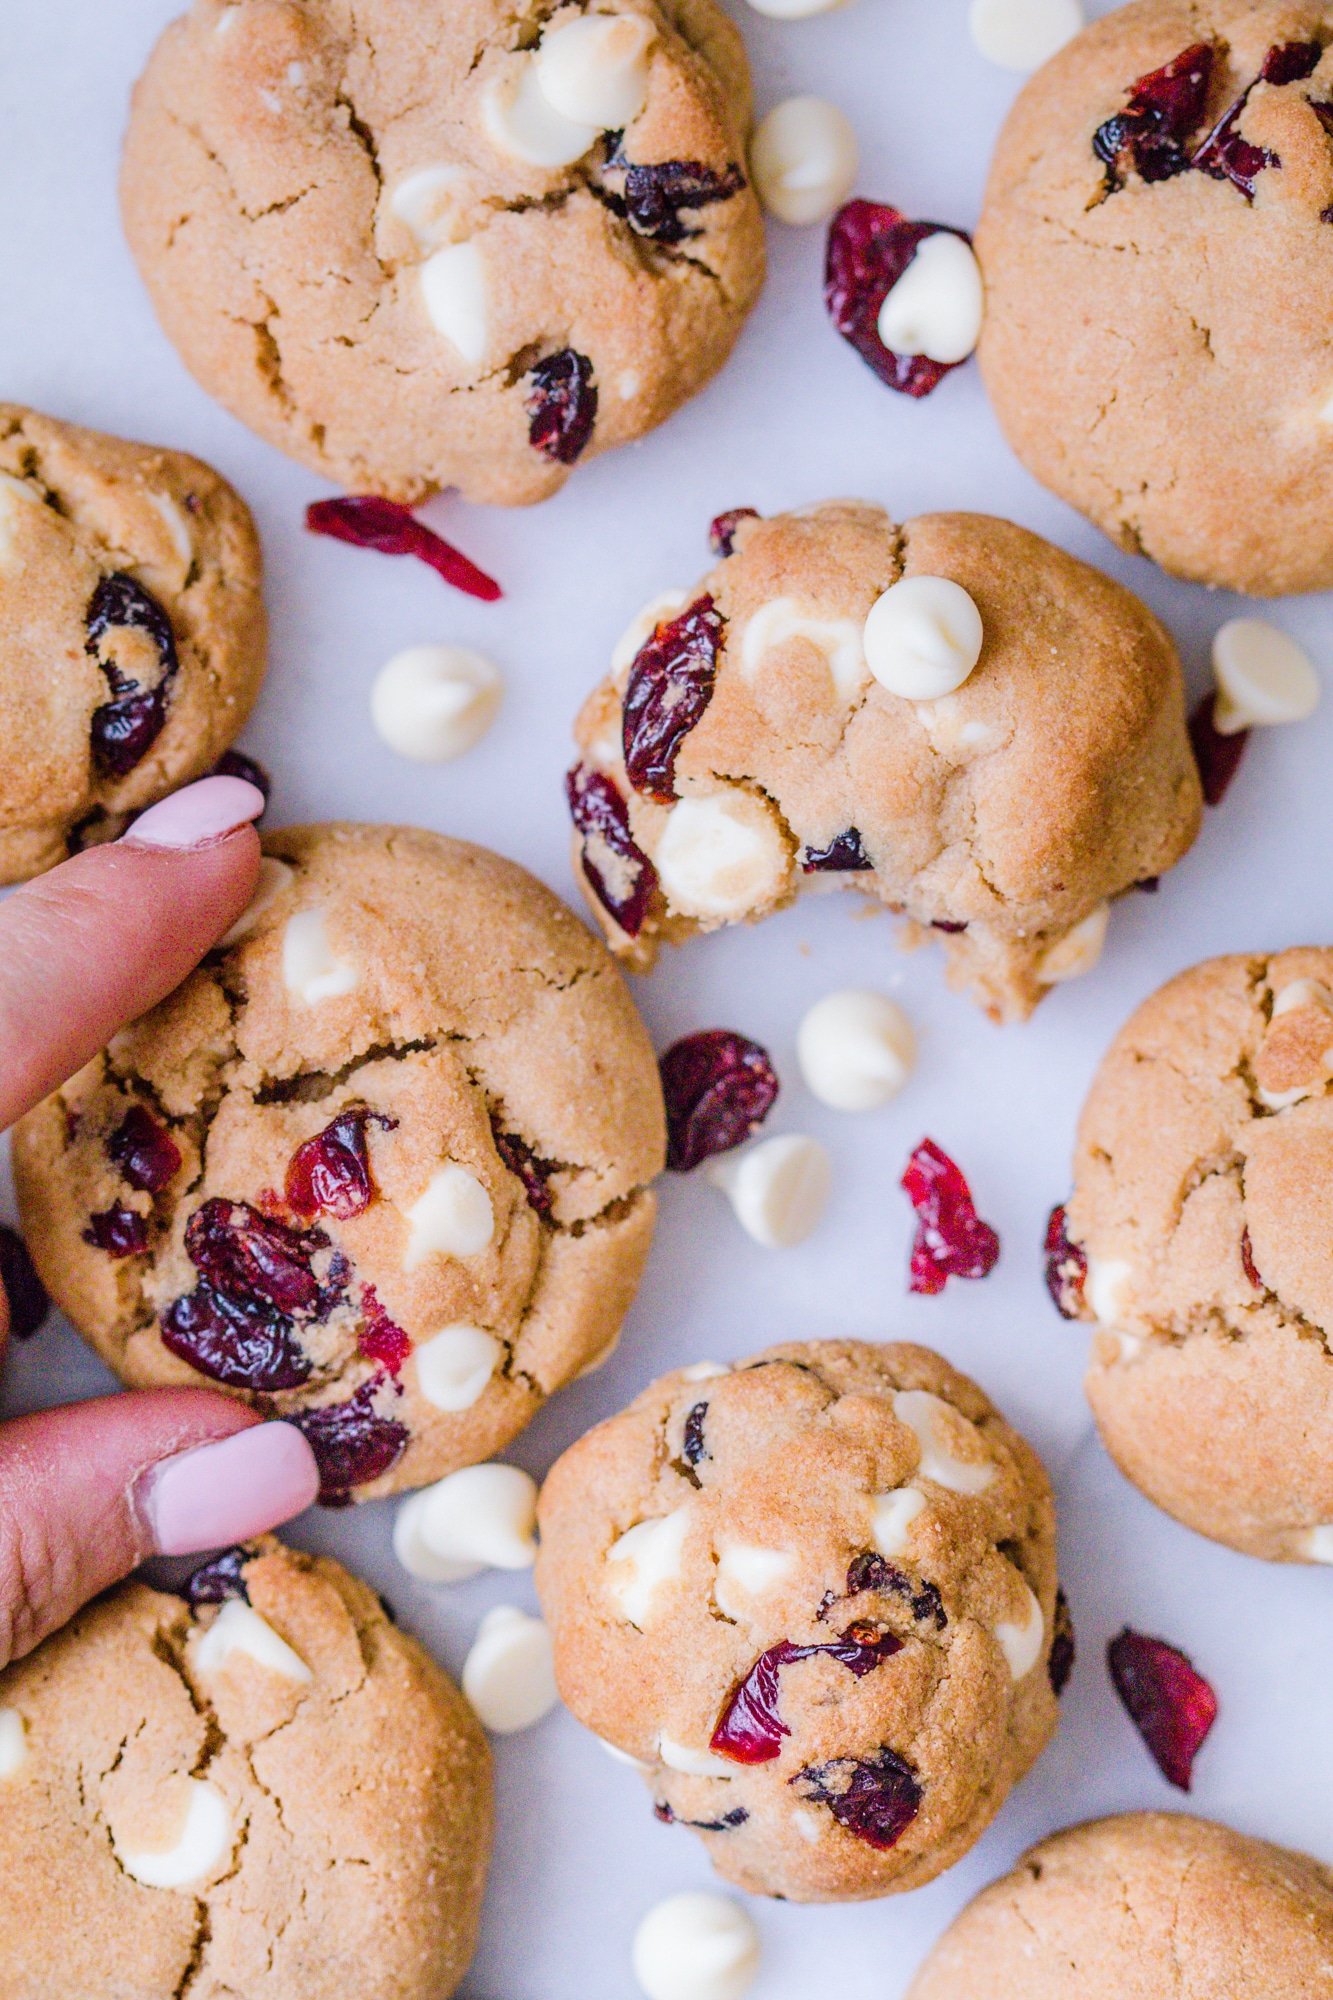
{"x": 796, "y": 417}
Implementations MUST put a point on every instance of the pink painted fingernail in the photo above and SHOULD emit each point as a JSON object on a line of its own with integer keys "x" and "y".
{"x": 225, "y": 1492}
{"x": 200, "y": 812}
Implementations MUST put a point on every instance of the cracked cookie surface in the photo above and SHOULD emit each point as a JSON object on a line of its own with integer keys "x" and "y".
{"x": 741, "y": 751}
{"x": 132, "y": 631}
{"x": 1138, "y": 1907}
{"x": 1158, "y": 258}
{"x": 271, "y": 1797}
{"x": 381, "y": 1165}
{"x": 352, "y": 231}
{"x": 1203, "y": 1203}
{"x": 814, "y": 1597}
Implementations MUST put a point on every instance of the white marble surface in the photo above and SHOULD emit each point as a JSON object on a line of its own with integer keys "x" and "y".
{"x": 796, "y": 417}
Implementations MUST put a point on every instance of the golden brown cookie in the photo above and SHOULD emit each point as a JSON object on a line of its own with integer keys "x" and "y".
{"x": 747, "y": 746}
{"x": 261, "y": 1789}
{"x": 131, "y": 631}
{"x": 1159, "y": 286}
{"x": 381, "y": 1165}
{"x": 449, "y": 244}
{"x": 814, "y": 1597}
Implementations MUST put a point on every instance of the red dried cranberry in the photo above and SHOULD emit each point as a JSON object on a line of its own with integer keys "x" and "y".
{"x": 876, "y": 1798}
{"x": 718, "y": 1087}
{"x": 1247, "y": 1259}
{"x": 870, "y": 245}
{"x": 386, "y": 525}
{"x": 260, "y": 1260}
{"x": 1060, "y": 1660}
{"x": 948, "y": 925}
{"x": 214, "y": 1582}
{"x": 146, "y": 1154}
{"x": 870, "y": 1571}
{"x": 1217, "y": 756}
{"x": 736, "y": 1817}
{"x": 562, "y": 405}
{"x": 670, "y": 685}
{"x": 722, "y": 528}
{"x": 1150, "y": 137}
{"x": 619, "y": 873}
{"x": 951, "y": 1239}
{"x": 652, "y": 197}
{"x": 844, "y": 855}
{"x": 750, "y": 1730}
{"x": 1066, "y": 1267}
{"x": 381, "y": 1339}
{"x": 125, "y": 728}
{"x": 233, "y": 1340}
{"x": 1168, "y": 1701}
{"x": 235, "y": 764}
{"x": 1224, "y": 153}
{"x": 28, "y": 1303}
{"x": 693, "y": 1447}
{"x": 120, "y": 1232}
{"x": 523, "y": 1162}
{"x": 352, "y": 1442}
{"x": 330, "y": 1174}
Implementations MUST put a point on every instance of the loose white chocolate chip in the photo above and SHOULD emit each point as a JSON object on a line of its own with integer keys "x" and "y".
{"x": 642, "y": 626}
{"x": 521, "y": 120}
{"x": 310, "y": 971}
{"x": 483, "y": 1517}
{"x": 838, "y": 639}
{"x": 721, "y": 855}
{"x": 935, "y": 308}
{"x": 13, "y": 1742}
{"x": 1262, "y": 676}
{"x": 425, "y": 203}
{"x": 696, "y": 1947}
{"x": 856, "y": 1049}
{"x": 594, "y": 71}
{"x": 803, "y": 160}
{"x": 1106, "y": 1288}
{"x": 923, "y": 637}
{"x": 693, "y": 1763}
{"x": 239, "y": 1629}
{"x": 892, "y": 1518}
{"x": 509, "y": 1674}
{"x": 454, "y": 288}
{"x": 274, "y": 876}
{"x": 646, "y": 1557}
{"x": 205, "y": 1838}
{"x": 778, "y": 1187}
{"x": 1077, "y": 951}
{"x": 431, "y": 703}
{"x": 1021, "y": 1640}
{"x": 455, "y": 1366}
{"x": 746, "y": 1571}
{"x": 1023, "y": 34}
{"x": 451, "y": 1217}
{"x": 1319, "y": 1544}
{"x": 931, "y": 1419}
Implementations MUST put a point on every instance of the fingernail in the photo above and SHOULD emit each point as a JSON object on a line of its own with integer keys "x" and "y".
{"x": 205, "y": 811}
{"x": 225, "y": 1492}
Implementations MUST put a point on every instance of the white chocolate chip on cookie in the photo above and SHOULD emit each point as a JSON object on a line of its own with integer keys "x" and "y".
{"x": 311, "y": 970}
{"x": 451, "y": 1217}
{"x": 644, "y": 1559}
{"x": 923, "y": 637}
{"x": 933, "y": 1421}
{"x": 722, "y": 855}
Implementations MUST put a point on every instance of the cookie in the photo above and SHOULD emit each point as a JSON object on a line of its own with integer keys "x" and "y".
{"x": 457, "y": 244}
{"x": 381, "y": 1165}
{"x": 952, "y": 716}
{"x": 1138, "y": 1907}
{"x": 131, "y": 632}
{"x": 1203, "y": 1212}
{"x": 813, "y": 1596}
{"x": 268, "y": 1790}
{"x": 1159, "y": 289}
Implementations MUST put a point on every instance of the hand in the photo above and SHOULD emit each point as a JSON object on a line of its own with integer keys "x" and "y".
{"x": 87, "y": 1492}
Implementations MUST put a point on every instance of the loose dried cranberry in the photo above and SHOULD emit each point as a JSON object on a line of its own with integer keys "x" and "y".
{"x": 1224, "y": 153}
{"x": 146, "y": 1154}
{"x": 1168, "y": 1701}
{"x": 381, "y": 1339}
{"x": 1217, "y": 756}
{"x": 214, "y": 1582}
{"x": 871, "y": 1571}
{"x": 722, "y": 528}
{"x": 235, "y": 764}
{"x": 562, "y": 405}
{"x": 619, "y": 873}
{"x": 236, "y": 1341}
{"x": 670, "y": 685}
{"x": 1060, "y": 1660}
{"x": 1066, "y": 1267}
{"x": 718, "y": 1087}
{"x": 1149, "y": 884}
{"x": 870, "y": 245}
{"x": 750, "y": 1730}
{"x": 371, "y": 523}
{"x": 951, "y": 1239}
{"x": 876, "y": 1798}
{"x": 1150, "y": 136}
{"x": 28, "y": 1303}
{"x": 523, "y": 1162}
{"x": 352, "y": 1442}
{"x": 1247, "y": 1259}
{"x": 844, "y": 855}
{"x": 120, "y": 1232}
{"x": 653, "y": 197}
{"x": 693, "y": 1447}
{"x": 125, "y": 728}
{"x": 330, "y": 1174}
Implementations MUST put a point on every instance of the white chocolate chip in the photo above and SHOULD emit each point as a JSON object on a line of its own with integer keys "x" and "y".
{"x": 642, "y": 626}
{"x": 1301, "y": 993}
{"x": 1023, "y": 34}
{"x": 509, "y": 1674}
{"x": 451, "y": 1217}
{"x": 1021, "y": 1640}
{"x": 594, "y": 70}
{"x": 426, "y": 204}
{"x": 483, "y": 1517}
{"x": 274, "y": 876}
{"x": 856, "y": 1049}
{"x": 892, "y": 1518}
{"x": 642, "y": 1560}
{"x": 693, "y": 1763}
{"x": 778, "y": 1187}
{"x": 628, "y": 384}
{"x": 310, "y": 970}
{"x": 808, "y": 1824}
{"x": 935, "y": 308}
{"x": 803, "y": 160}
{"x": 176, "y": 525}
{"x": 1319, "y": 1544}
{"x": 13, "y": 1742}
{"x": 1262, "y": 676}
{"x": 456, "y": 294}
{"x": 794, "y": 10}
{"x": 204, "y": 1839}
{"x": 431, "y": 703}
{"x": 1128, "y": 1346}
{"x": 746, "y": 1571}
{"x": 239, "y": 1629}
{"x": 838, "y": 639}
{"x": 931, "y": 1420}
{"x": 1106, "y": 1288}
{"x": 923, "y": 637}
{"x": 1077, "y": 951}
{"x": 722, "y": 855}
{"x": 12, "y": 492}
{"x": 521, "y": 120}
{"x": 619, "y": 1756}
{"x": 696, "y": 1947}
{"x": 455, "y": 1366}
{"x": 704, "y": 1371}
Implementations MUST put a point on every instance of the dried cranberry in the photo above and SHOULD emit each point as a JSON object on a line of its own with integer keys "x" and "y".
{"x": 1060, "y": 1660}
{"x": 381, "y": 1339}
{"x": 871, "y": 1571}
{"x": 693, "y": 1447}
{"x": 652, "y": 197}
{"x": 214, "y": 1582}
{"x": 1066, "y": 1267}
{"x": 146, "y": 1154}
{"x": 750, "y": 1730}
{"x": 670, "y": 685}
{"x": 722, "y": 528}
{"x": 951, "y": 1239}
{"x": 948, "y": 925}
{"x": 619, "y": 873}
{"x": 330, "y": 1174}
{"x": 870, "y": 245}
{"x": 844, "y": 855}
{"x": 1247, "y": 1259}
{"x": 562, "y": 405}
{"x": 28, "y": 1303}
{"x": 386, "y": 525}
{"x": 236, "y": 1341}
{"x": 1150, "y": 136}
{"x": 1149, "y": 884}
{"x": 125, "y": 728}
{"x": 1168, "y": 1701}
{"x": 235, "y": 764}
{"x": 736, "y": 1817}
{"x": 718, "y": 1087}
{"x": 257, "y": 1258}
{"x": 120, "y": 1232}
{"x": 876, "y": 1798}
{"x": 1224, "y": 153}
{"x": 352, "y": 1442}
{"x": 1217, "y": 756}
{"x": 523, "y": 1162}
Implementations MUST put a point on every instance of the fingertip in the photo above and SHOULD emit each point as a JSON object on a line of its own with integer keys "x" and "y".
{"x": 228, "y": 1490}
{"x": 198, "y": 814}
